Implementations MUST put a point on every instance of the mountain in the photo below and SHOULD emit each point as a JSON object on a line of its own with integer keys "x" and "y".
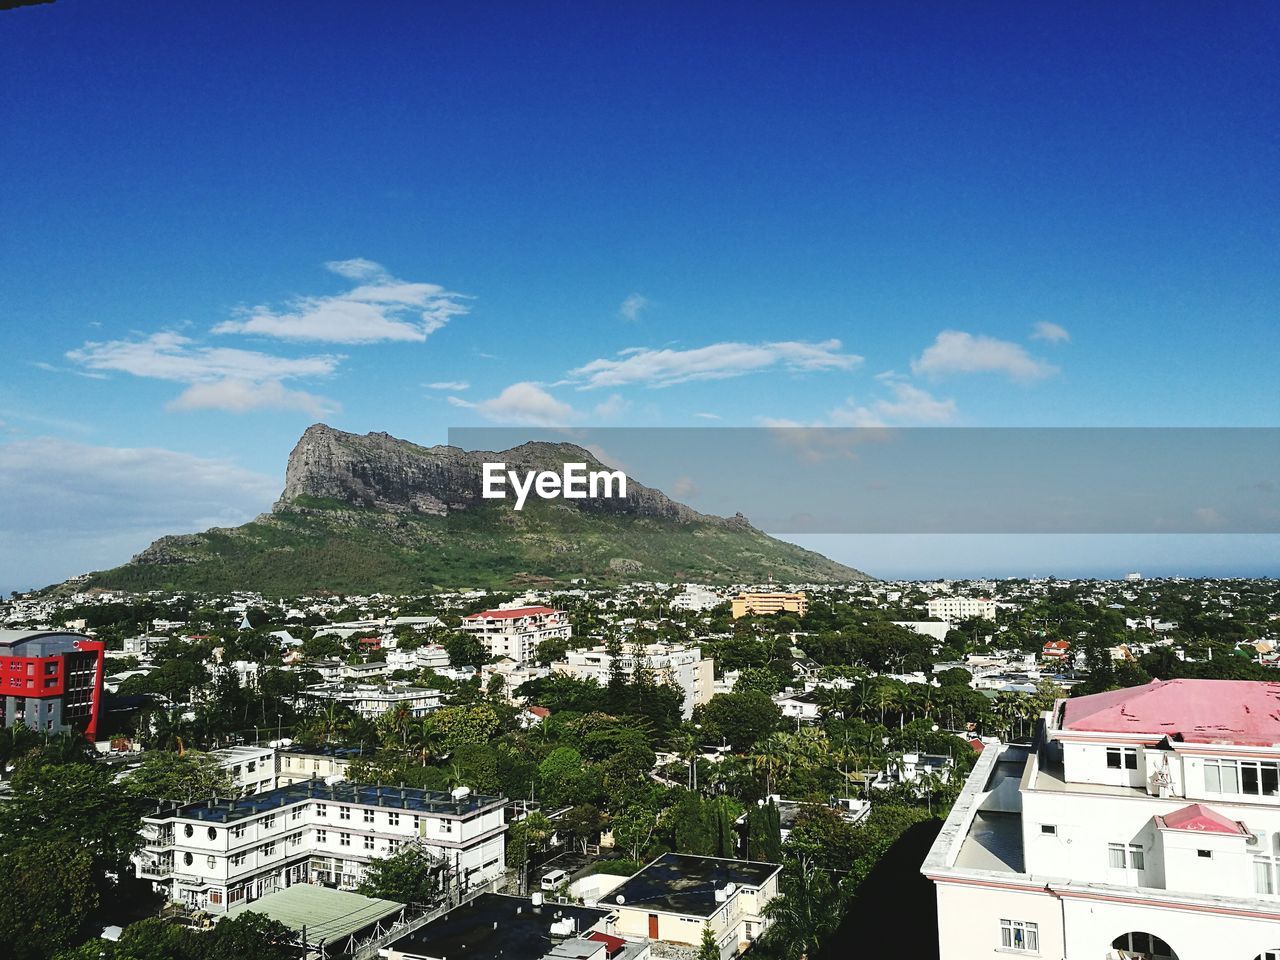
{"x": 373, "y": 513}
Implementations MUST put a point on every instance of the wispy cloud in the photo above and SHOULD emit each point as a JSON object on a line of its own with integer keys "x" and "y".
{"x": 523, "y": 404}
{"x": 244, "y": 396}
{"x": 708, "y": 416}
{"x": 1049, "y": 332}
{"x": 631, "y": 307}
{"x": 221, "y": 378}
{"x": 379, "y": 308}
{"x": 448, "y": 385}
{"x": 718, "y": 361}
{"x": 908, "y": 405}
{"x": 957, "y": 352}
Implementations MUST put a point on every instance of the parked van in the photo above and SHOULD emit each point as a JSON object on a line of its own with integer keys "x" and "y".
{"x": 551, "y": 881}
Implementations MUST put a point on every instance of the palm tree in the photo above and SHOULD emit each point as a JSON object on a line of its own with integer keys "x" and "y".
{"x": 425, "y": 741}
{"x": 807, "y": 911}
{"x": 167, "y": 730}
{"x": 768, "y": 759}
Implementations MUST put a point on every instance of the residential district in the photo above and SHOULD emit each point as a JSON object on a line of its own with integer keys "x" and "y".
{"x": 1079, "y": 769}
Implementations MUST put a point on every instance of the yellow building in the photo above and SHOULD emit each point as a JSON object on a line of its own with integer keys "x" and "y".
{"x": 761, "y": 603}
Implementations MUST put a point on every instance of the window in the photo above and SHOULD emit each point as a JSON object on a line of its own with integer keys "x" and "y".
{"x": 368, "y": 843}
{"x": 344, "y": 813}
{"x": 268, "y": 822}
{"x": 1250, "y": 777}
{"x": 1205, "y": 854}
{"x": 321, "y": 836}
{"x": 1143, "y": 943}
{"x": 446, "y": 826}
{"x": 344, "y": 839}
{"x": 296, "y": 814}
{"x": 237, "y": 860}
{"x": 268, "y": 849}
{"x": 368, "y": 816}
{"x": 187, "y": 830}
{"x": 1049, "y": 829}
{"x": 1115, "y": 856}
{"x": 393, "y": 819}
{"x": 237, "y": 831}
{"x": 1264, "y": 876}
{"x": 1019, "y": 935}
{"x": 1122, "y": 758}
{"x": 322, "y": 810}
{"x": 209, "y": 862}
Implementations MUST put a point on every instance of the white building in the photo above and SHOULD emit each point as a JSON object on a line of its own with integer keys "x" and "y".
{"x": 952, "y": 609}
{"x": 371, "y": 701}
{"x": 430, "y": 656}
{"x": 327, "y": 763}
{"x": 517, "y": 633}
{"x": 1144, "y": 824}
{"x": 218, "y": 853}
{"x": 252, "y": 769}
{"x": 680, "y": 666}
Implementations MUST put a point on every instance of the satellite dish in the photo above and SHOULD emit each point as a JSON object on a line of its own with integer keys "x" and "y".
{"x": 620, "y": 899}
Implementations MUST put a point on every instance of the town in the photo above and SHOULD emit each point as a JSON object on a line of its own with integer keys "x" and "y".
{"x": 644, "y": 770}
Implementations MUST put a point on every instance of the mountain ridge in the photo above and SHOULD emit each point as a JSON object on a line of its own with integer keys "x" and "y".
{"x": 373, "y": 513}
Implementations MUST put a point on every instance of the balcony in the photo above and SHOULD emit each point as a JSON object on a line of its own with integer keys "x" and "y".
{"x": 155, "y": 869}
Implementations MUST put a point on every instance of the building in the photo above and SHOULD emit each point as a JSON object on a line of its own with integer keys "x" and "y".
{"x": 1143, "y": 823}
{"x": 679, "y": 666}
{"x": 218, "y": 853}
{"x": 926, "y": 628}
{"x": 517, "y": 633}
{"x": 671, "y": 899}
{"x": 499, "y": 927}
{"x": 319, "y": 763}
{"x": 953, "y": 609}
{"x": 252, "y": 769}
{"x": 1057, "y": 650}
{"x": 371, "y": 701}
{"x": 51, "y": 680}
{"x": 759, "y": 604}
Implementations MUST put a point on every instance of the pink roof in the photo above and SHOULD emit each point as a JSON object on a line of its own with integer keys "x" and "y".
{"x": 1201, "y": 819}
{"x": 1242, "y": 712}
{"x": 511, "y": 614}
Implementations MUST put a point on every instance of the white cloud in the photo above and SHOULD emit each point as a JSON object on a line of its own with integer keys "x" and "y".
{"x": 242, "y": 396}
{"x": 708, "y": 416}
{"x": 87, "y": 507}
{"x": 219, "y": 378}
{"x": 379, "y": 308}
{"x": 718, "y": 361}
{"x": 909, "y": 406}
{"x": 630, "y": 308}
{"x": 449, "y": 385}
{"x": 525, "y": 404}
{"x": 1049, "y": 332}
{"x": 171, "y": 356}
{"x": 955, "y": 351}
{"x": 615, "y": 406}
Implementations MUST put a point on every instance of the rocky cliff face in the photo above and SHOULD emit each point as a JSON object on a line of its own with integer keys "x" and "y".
{"x": 381, "y": 472}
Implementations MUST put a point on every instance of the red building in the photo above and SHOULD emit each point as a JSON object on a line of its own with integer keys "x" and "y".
{"x": 51, "y": 680}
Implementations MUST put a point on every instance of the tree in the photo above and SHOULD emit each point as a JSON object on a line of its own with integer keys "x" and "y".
{"x": 739, "y": 718}
{"x": 708, "y": 950}
{"x": 249, "y": 934}
{"x": 76, "y": 803}
{"x": 764, "y": 833}
{"x": 809, "y": 908}
{"x": 410, "y": 876}
{"x": 465, "y": 650}
{"x": 49, "y": 894}
{"x": 173, "y": 776}
{"x": 583, "y": 823}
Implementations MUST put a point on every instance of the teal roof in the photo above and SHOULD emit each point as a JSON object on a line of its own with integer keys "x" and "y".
{"x": 327, "y": 914}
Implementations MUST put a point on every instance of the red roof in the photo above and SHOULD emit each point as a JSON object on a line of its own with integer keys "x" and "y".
{"x": 977, "y": 745}
{"x": 1241, "y": 712}
{"x": 612, "y": 945}
{"x": 1057, "y": 644}
{"x": 1201, "y": 819}
{"x": 511, "y": 614}
{"x": 542, "y": 712}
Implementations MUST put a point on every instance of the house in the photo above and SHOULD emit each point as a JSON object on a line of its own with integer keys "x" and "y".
{"x": 218, "y": 853}
{"x": 1144, "y": 822}
{"x": 848, "y": 809}
{"x": 328, "y": 763}
{"x": 371, "y": 701}
{"x": 1057, "y": 650}
{"x": 804, "y": 707}
{"x": 670, "y": 900}
{"x": 51, "y": 680}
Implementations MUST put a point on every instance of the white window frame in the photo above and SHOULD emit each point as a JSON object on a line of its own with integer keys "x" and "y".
{"x": 1013, "y": 930}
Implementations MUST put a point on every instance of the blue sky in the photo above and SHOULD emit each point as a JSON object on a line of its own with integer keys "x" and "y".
{"x": 219, "y": 228}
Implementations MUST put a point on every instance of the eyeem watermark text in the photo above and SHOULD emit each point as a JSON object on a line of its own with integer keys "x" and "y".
{"x": 573, "y": 482}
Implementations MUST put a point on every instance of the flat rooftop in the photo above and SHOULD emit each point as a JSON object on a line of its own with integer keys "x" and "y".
{"x": 327, "y": 914}
{"x": 495, "y": 926}
{"x": 994, "y": 842}
{"x": 436, "y": 802}
{"x": 1242, "y": 712}
{"x": 686, "y": 885}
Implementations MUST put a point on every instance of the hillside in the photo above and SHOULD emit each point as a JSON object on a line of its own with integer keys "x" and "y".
{"x": 373, "y": 513}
